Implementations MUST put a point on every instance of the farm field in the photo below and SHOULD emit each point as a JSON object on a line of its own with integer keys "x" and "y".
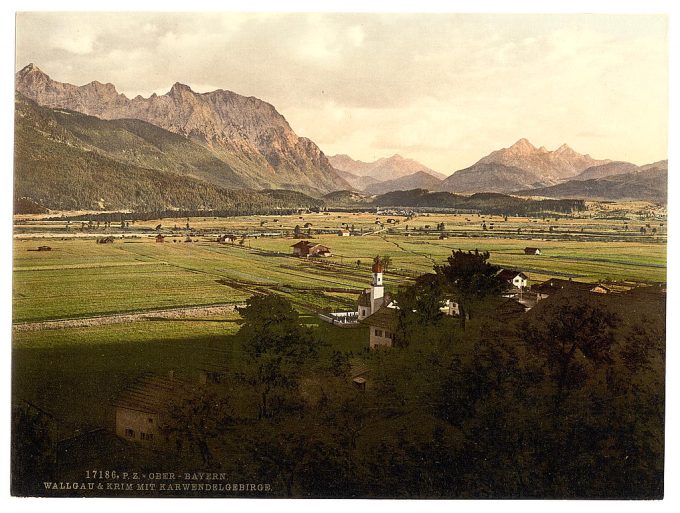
{"x": 75, "y": 373}
{"x": 79, "y": 278}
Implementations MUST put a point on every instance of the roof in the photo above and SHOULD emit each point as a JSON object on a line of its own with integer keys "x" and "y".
{"x": 152, "y": 393}
{"x": 302, "y": 244}
{"x": 511, "y": 274}
{"x": 359, "y": 369}
{"x": 378, "y": 267}
{"x": 384, "y": 317}
{"x": 555, "y": 284}
{"x": 364, "y": 299}
{"x": 508, "y": 309}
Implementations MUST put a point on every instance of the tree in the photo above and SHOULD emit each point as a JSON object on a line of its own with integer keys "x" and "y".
{"x": 32, "y": 449}
{"x": 468, "y": 277}
{"x": 197, "y": 421}
{"x": 419, "y": 308}
{"x": 569, "y": 331}
{"x": 277, "y": 344}
{"x": 297, "y": 231}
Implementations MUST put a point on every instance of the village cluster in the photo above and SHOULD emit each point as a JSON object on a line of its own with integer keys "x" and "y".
{"x": 139, "y": 411}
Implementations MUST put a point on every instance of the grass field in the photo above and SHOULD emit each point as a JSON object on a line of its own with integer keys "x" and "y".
{"x": 80, "y": 278}
{"x": 75, "y": 373}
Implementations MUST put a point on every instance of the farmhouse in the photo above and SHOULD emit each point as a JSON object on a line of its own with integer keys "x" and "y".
{"x": 381, "y": 325}
{"x": 516, "y": 278}
{"x": 343, "y": 233}
{"x": 223, "y": 239}
{"x": 509, "y": 310}
{"x": 309, "y": 249}
{"x": 160, "y": 238}
{"x": 532, "y": 251}
{"x": 44, "y": 248}
{"x": 545, "y": 289}
{"x": 141, "y": 410}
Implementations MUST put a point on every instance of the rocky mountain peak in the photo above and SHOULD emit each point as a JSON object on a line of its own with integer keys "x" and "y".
{"x": 549, "y": 167}
{"x": 246, "y": 133}
{"x": 178, "y": 90}
{"x": 523, "y": 146}
{"x": 106, "y": 89}
{"x": 31, "y": 74}
{"x": 29, "y": 68}
{"x": 383, "y": 169}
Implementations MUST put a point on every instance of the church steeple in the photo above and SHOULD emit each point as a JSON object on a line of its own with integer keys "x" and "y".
{"x": 377, "y": 288}
{"x": 377, "y": 274}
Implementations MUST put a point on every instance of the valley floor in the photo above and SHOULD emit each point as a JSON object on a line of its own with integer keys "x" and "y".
{"x": 89, "y": 318}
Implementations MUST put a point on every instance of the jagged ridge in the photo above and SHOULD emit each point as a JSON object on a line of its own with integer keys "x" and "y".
{"x": 246, "y": 133}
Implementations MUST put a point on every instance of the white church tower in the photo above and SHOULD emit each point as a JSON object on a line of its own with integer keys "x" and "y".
{"x": 377, "y": 287}
{"x": 370, "y": 300}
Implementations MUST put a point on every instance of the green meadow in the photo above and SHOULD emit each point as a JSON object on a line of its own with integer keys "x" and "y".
{"x": 76, "y": 372}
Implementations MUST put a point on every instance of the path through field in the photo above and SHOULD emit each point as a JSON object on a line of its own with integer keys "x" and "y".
{"x": 165, "y": 313}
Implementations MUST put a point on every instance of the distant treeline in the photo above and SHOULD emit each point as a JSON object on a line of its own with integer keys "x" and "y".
{"x": 491, "y": 203}
{"x": 117, "y": 217}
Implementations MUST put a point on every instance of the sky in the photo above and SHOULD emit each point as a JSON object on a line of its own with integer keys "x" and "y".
{"x": 444, "y": 89}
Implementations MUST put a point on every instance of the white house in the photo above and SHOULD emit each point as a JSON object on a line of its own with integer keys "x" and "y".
{"x": 382, "y": 325}
{"x": 516, "y": 278}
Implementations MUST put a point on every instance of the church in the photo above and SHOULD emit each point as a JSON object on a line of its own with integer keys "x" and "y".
{"x": 370, "y": 300}
{"x": 377, "y": 310}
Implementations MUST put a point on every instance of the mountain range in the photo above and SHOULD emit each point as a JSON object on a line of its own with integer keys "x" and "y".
{"x": 520, "y": 166}
{"x": 649, "y": 183}
{"x": 248, "y": 135}
{"x": 386, "y": 168}
{"x": 65, "y": 160}
{"x": 92, "y": 147}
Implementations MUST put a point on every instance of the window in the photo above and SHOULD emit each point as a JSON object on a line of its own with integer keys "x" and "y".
{"x": 129, "y": 433}
{"x": 150, "y": 420}
{"x": 378, "y": 333}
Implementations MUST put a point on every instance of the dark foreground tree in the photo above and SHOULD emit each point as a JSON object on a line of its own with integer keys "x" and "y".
{"x": 33, "y": 452}
{"x": 196, "y": 420}
{"x": 469, "y": 278}
{"x": 569, "y": 334}
{"x": 278, "y": 345}
{"x": 419, "y": 308}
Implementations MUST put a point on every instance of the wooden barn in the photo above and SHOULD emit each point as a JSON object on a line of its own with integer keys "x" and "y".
{"x": 309, "y": 249}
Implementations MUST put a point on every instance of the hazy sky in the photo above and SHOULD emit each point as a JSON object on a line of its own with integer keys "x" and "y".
{"x": 443, "y": 89}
